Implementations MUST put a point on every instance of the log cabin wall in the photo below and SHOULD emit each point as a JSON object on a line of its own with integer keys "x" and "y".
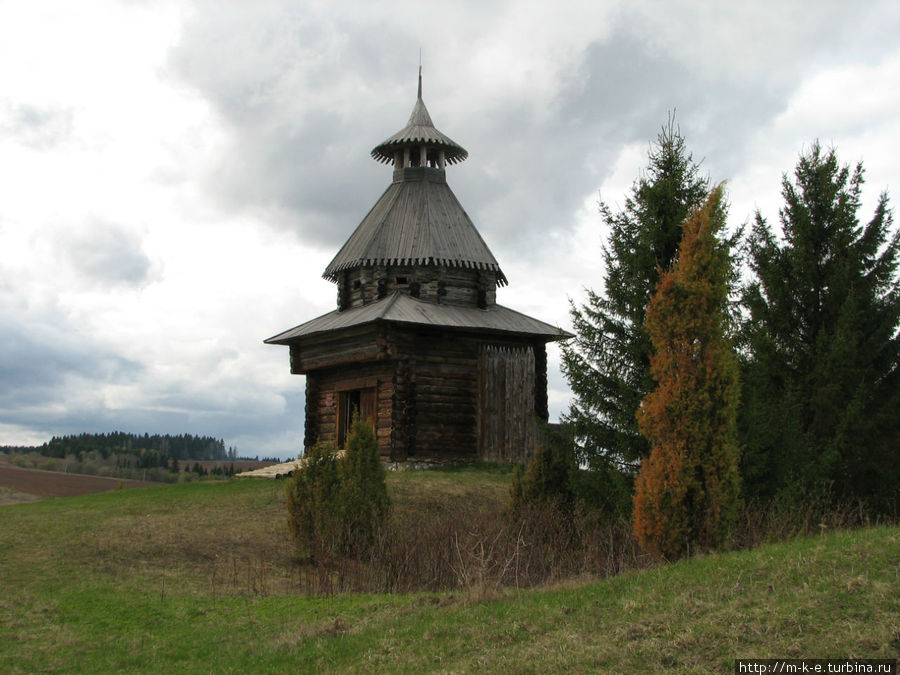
{"x": 403, "y": 412}
{"x": 541, "y": 403}
{"x": 433, "y": 283}
{"x": 346, "y": 347}
{"x": 324, "y": 388}
{"x": 437, "y": 394}
{"x": 466, "y": 395}
{"x": 312, "y": 416}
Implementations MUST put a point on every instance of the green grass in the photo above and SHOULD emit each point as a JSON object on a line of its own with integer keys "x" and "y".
{"x": 198, "y": 578}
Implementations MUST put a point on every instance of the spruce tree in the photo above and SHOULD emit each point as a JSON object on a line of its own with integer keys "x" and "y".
{"x": 607, "y": 363}
{"x": 822, "y": 370}
{"x": 686, "y": 494}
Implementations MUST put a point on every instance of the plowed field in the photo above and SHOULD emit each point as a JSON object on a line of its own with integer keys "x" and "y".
{"x": 16, "y": 484}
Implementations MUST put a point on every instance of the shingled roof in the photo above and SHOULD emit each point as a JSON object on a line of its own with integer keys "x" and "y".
{"x": 417, "y": 221}
{"x": 401, "y": 308}
{"x": 418, "y": 130}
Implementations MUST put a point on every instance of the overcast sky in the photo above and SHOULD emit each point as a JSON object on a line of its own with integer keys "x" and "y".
{"x": 175, "y": 176}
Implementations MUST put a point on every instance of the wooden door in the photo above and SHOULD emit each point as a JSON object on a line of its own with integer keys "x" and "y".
{"x": 367, "y": 405}
{"x": 351, "y": 403}
{"x": 506, "y": 421}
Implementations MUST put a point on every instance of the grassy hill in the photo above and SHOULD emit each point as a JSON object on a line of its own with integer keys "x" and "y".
{"x": 198, "y": 578}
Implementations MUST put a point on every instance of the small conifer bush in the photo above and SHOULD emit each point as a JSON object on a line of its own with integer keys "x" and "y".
{"x": 337, "y": 505}
{"x": 548, "y": 478}
{"x": 312, "y": 505}
{"x": 363, "y": 497}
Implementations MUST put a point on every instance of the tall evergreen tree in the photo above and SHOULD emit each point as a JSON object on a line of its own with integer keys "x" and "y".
{"x": 686, "y": 494}
{"x": 607, "y": 364}
{"x": 822, "y": 372}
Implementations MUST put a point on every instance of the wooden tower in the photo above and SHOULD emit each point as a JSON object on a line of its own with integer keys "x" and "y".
{"x": 418, "y": 344}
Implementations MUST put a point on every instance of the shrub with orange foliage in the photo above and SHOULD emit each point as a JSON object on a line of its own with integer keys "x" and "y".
{"x": 686, "y": 494}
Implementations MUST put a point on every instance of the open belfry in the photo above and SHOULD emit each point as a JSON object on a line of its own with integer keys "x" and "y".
{"x": 418, "y": 344}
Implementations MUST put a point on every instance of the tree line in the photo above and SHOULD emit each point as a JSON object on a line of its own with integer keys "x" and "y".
{"x": 152, "y": 450}
{"x": 757, "y": 366}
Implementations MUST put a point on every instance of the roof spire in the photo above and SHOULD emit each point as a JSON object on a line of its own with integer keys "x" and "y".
{"x": 418, "y": 132}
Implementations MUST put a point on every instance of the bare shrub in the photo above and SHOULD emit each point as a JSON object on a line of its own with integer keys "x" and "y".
{"x": 467, "y": 542}
{"x": 461, "y": 545}
{"x": 25, "y": 461}
{"x": 778, "y": 520}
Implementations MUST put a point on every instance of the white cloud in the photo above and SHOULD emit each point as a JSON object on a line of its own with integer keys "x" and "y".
{"x": 852, "y": 107}
{"x": 177, "y": 175}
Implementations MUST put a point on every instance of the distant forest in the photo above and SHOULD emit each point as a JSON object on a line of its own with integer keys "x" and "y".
{"x": 150, "y": 451}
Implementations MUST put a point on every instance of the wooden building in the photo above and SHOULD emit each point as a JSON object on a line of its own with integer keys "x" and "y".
{"x": 418, "y": 343}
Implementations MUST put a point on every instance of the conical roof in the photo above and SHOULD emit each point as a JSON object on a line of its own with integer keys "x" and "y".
{"x": 417, "y": 221}
{"x": 418, "y": 130}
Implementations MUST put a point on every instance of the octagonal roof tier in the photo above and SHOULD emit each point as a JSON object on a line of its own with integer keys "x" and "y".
{"x": 417, "y": 221}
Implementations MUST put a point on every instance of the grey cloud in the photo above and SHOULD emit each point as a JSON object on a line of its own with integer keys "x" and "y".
{"x": 306, "y": 94}
{"x": 303, "y": 177}
{"x": 38, "y": 359}
{"x": 45, "y": 363}
{"x": 625, "y": 93}
{"x": 636, "y": 88}
{"x": 105, "y": 253}
{"x": 286, "y": 85}
{"x": 299, "y": 154}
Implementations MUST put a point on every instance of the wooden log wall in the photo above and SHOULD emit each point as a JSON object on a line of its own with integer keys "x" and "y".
{"x": 324, "y": 388}
{"x": 311, "y": 428}
{"x": 403, "y": 415}
{"x": 439, "y": 394}
{"x": 349, "y": 347}
{"x": 435, "y": 283}
{"x": 506, "y": 403}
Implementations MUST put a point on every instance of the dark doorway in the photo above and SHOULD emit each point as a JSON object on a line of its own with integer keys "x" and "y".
{"x": 354, "y": 402}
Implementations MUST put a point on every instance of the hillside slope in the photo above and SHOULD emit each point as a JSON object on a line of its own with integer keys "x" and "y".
{"x": 190, "y": 578}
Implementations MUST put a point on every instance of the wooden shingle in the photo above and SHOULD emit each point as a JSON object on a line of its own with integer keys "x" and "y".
{"x": 417, "y": 221}
{"x": 400, "y": 308}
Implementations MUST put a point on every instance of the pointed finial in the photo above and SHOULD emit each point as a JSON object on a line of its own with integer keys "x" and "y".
{"x": 420, "y": 72}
